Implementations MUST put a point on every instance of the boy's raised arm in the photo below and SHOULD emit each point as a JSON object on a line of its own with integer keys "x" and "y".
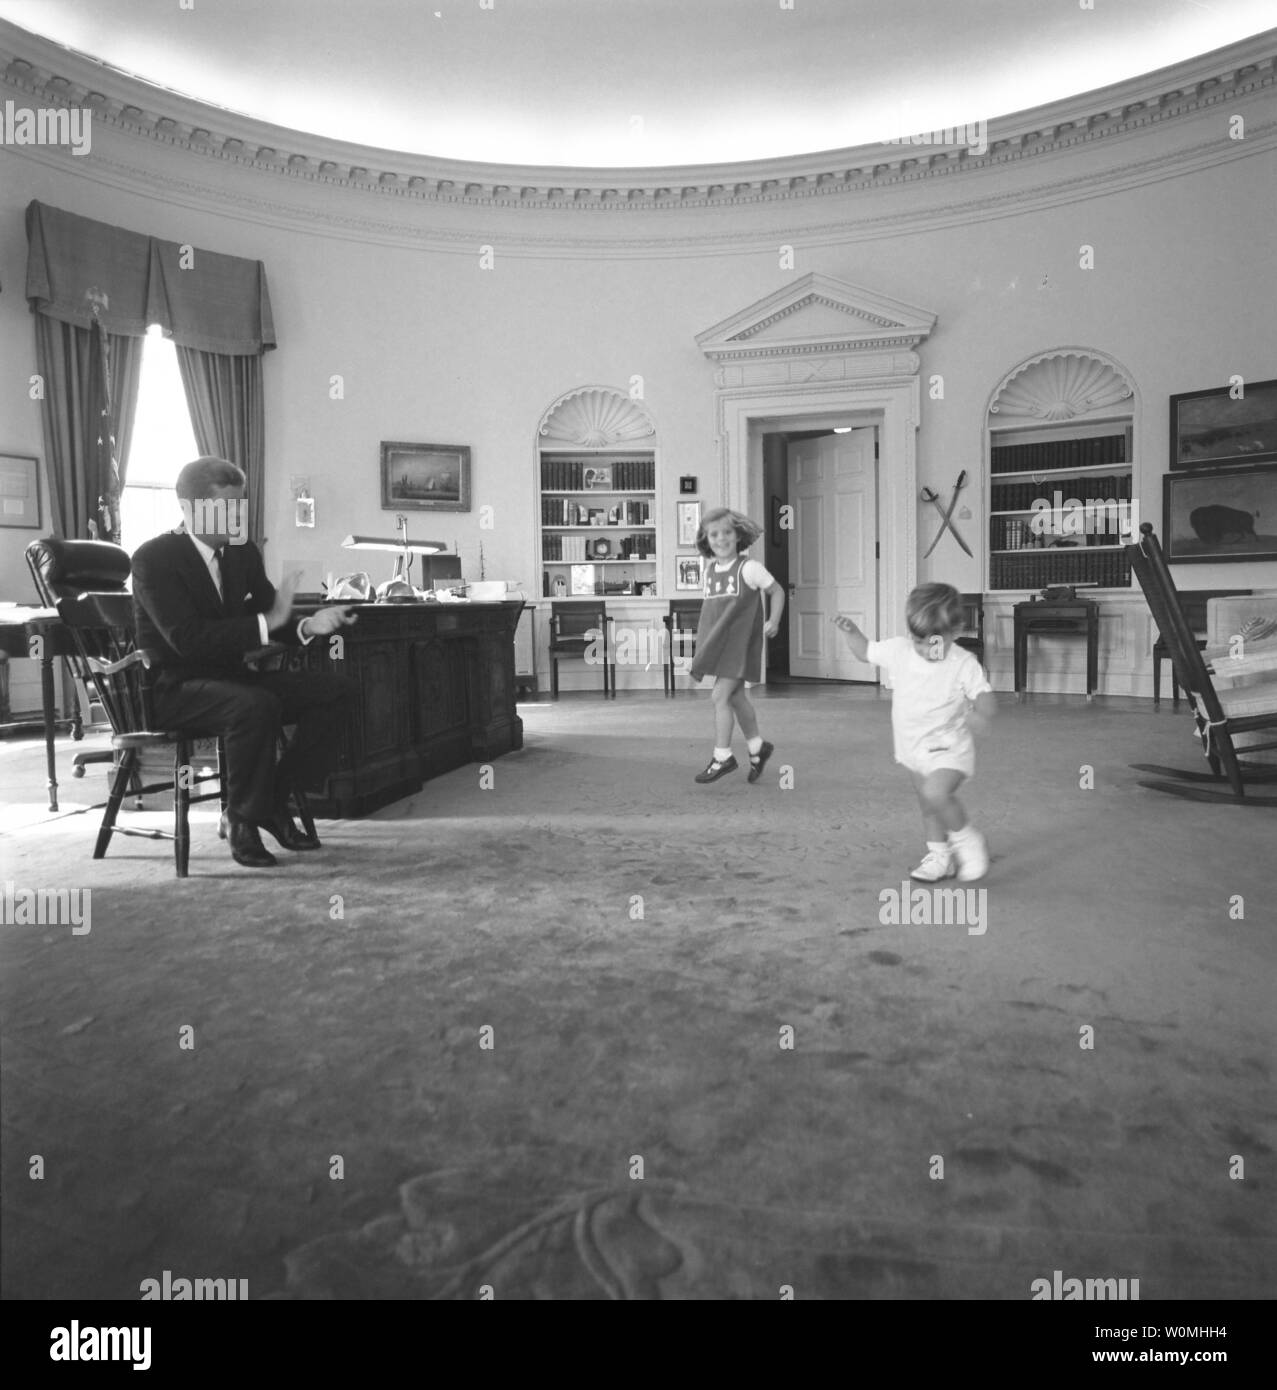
{"x": 857, "y": 640}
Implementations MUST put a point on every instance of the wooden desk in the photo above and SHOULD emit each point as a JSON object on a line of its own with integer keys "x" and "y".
{"x": 435, "y": 689}
{"x": 24, "y": 632}
{"x": 1081, "y": 617}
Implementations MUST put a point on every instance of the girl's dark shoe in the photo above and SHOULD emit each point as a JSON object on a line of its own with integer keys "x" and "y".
{"x": 715, "y": 770}
{"x": 757, "y": 761}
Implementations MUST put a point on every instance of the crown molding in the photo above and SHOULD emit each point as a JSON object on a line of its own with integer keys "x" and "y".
{"x": 44, "y": 72}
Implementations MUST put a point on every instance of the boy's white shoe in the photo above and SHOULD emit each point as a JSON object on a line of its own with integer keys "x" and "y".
{"x": 937, "y": 864}
{"x": 971, "y": 853}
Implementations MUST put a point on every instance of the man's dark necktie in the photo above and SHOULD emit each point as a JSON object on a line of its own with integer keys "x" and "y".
{"x": 218, "y": 556}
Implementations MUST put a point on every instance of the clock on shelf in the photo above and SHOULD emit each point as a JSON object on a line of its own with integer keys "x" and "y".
{"x": 601, "y": 548}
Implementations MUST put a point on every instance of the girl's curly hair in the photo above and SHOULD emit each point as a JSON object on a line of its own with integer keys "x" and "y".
{"x": 747, "y": 531}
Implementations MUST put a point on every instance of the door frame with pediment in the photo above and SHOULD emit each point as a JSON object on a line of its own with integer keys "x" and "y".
{"x": 767, "y": 370}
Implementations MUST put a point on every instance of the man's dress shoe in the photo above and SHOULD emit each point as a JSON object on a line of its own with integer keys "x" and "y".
{"x": 288, "y": 832}
{"x": 247, "y": 847}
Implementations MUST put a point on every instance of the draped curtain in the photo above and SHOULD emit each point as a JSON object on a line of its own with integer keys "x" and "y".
{"x": 70, "y": 360}
{"x": 224, "y": 394}
{"x": 84, "y": 275}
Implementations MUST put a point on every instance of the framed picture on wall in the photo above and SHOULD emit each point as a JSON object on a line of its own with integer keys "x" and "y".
{"x": 1220, "y": 516}
{"x": 19, "y": 491}
{"x": 425, "y": 477}
{"x": 689, "y": 522}
{"x": 1211, "y": 429}
{"x": 689, "y": 572}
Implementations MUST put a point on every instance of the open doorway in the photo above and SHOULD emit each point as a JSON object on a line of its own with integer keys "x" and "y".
{"x": 820, "y": 489}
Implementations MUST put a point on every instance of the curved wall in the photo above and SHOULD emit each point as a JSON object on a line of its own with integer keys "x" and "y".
{"x": 387, "y": 284}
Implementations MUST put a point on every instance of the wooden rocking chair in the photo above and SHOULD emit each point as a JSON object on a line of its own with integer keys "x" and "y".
{"x": 1219, "y": 715}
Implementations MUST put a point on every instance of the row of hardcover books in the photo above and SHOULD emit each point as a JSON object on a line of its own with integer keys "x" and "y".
{"x": 1060, "y": 453}
{"x": 1042, "y": 567}
{"x": 573, "y": 548}
{"x": 1009, "y": 533}
{"x": 563, "y": 547}
{"x": 561, "y": 511}
{"x": 1020, "y": 497}
{"x": 617, "y": 475}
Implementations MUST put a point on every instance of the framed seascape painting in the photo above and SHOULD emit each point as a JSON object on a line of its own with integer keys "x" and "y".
{"x": 1211, "y": 429}
{"x": 425, "y": 477}
{"x": 1220, "y": 516}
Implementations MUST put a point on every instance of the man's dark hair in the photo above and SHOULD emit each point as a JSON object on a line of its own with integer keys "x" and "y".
{"x": 198, "y": 478}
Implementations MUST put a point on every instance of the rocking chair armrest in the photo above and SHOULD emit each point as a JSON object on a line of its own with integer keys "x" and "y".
{"x": 1256, "y": 659}
{"x": 110, "y": 668}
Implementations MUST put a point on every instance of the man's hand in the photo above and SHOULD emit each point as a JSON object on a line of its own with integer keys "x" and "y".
{"x": 772, "y": 628}
{"x": 282, "y": 608}
{"x": 328, "y": 620}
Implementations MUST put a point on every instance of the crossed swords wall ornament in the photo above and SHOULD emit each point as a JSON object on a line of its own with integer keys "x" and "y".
{"x": 946, "y": 516}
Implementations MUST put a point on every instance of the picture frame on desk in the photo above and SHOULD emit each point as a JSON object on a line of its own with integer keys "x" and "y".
{"x": 1220, "y": 516}
{"x": 689, "y": 573}
{"x": 1212, "y": 429}
{"x": 425, "y": 477}
{"x": 20, "y": 492}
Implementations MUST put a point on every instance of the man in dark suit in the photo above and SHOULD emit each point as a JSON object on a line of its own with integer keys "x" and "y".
{"x": 202, "y": 601}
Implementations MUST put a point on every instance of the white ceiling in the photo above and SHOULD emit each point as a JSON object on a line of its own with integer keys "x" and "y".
{"x": 634, "y": 82}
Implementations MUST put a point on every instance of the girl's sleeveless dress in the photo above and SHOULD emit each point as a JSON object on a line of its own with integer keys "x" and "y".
{"x": 729, "y": 636}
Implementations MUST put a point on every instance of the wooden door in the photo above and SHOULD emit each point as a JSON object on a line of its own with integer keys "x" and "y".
{"x": 833, "y": 566}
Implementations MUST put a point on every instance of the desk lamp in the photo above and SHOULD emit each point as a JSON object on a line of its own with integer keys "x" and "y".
{"x": 400, "y": 582}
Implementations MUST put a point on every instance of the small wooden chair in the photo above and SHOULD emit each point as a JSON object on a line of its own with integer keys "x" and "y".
{"x": 680, "y": 637}
{"x": 972, "y": 637}
{"x": 576, "y": 627}
{"x": 61, "y": 569}
{"x": 109, "y": 661}
{"x": 1218, "y": 714}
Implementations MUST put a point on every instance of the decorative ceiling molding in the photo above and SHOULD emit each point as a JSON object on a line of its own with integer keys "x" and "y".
{"x": 593, "y": 417}
{"x": 1063, "y": 384}
{"x": 398, "y": 223}
{"x": 45, "y": 73}
{"x": 875, "y": 322}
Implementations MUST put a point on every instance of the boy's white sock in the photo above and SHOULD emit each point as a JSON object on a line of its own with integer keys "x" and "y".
{"x": 959, "y": 837}
{"x": 754, "y": 745}
{"x": 721, "y": 755}
{"x": 939, "y": 847}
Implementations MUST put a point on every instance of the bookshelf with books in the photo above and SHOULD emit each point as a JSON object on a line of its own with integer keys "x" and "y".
{"x": 1060, "y": 505}
{"x": 597, "y": 524}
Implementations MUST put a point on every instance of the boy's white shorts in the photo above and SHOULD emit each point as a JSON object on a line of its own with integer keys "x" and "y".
{"x": 956, "y": 755}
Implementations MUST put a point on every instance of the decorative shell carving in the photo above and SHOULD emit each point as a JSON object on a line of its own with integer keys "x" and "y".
{"x": 596, "y": 416}
{"x": 1060, "y": 387}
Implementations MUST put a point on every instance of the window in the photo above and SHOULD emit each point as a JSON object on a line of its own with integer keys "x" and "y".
{"x": 163, "y": 441}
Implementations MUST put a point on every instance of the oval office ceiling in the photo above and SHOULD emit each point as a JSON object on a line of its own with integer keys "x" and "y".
{"x": 633, "y": 83}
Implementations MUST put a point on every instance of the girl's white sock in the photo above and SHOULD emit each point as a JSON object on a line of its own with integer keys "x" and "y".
{"x": 721, "y": 755}
{"x": 754, "y": 745}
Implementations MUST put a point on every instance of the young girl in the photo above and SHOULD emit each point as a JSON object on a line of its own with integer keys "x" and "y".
{"x": 729, "y": 636}
{"x": 932, "y": 680}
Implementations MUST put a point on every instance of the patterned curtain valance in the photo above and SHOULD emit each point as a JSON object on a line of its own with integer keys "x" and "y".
{"x": 203, "y": 300}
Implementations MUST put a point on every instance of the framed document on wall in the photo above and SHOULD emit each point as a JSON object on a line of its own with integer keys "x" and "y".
{"x": 19, "y": 491}
{"x": 689, "y": 522}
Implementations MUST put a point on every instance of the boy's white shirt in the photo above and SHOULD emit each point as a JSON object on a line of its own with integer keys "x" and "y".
{"x": 928, "y": 698}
